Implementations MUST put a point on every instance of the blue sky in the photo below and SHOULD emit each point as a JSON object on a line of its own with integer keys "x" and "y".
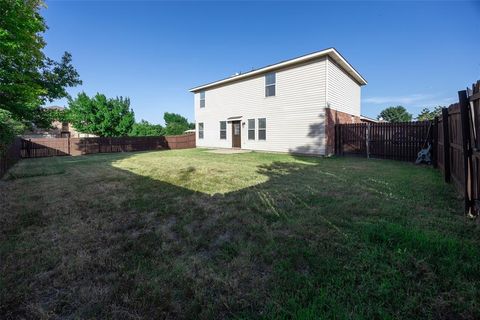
{"x": 417, "y": 54}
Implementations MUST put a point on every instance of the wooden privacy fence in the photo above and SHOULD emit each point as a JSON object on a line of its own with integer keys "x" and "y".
{"x": 396, "y": 141}
{"x": 48, "y": 147}
{"x": 457, "y": 137}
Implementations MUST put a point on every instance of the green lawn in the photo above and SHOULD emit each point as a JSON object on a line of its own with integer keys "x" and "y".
{"x": 191, "y": 234}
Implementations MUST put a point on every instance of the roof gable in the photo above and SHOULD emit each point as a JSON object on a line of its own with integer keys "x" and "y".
{"x": 331, "y": 52}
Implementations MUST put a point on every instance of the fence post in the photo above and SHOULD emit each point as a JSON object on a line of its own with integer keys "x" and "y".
{"x": 446, "y": 144}
{"x": 435, "y": 143}
{"x": 367, "y": 140}
{"x": 467, "y": 152}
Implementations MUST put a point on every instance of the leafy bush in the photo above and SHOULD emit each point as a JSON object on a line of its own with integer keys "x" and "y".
{"x": 9, "y": 128}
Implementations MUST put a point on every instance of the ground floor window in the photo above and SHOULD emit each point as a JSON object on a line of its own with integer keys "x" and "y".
{"x": 262, "y": 129}
{"x": 200, "y": 130}
{"x": 251, "y": 129}
{"x": 223, "y": 130}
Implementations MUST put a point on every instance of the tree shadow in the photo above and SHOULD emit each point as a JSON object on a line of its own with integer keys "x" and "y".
{"x": 121, "y": 244}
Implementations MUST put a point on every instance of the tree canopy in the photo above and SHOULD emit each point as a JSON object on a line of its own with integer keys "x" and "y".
{"x": 28, "y": 78}
{"x": 176, "y": 124}
{"x": 101, "y": 116}
{"x": 426, "y": 114}
{"x": 395, "y": 114}
{"x": 145, "y": 128}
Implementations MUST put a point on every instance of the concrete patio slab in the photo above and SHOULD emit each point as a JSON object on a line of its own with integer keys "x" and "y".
{"x": 228, "y": 151}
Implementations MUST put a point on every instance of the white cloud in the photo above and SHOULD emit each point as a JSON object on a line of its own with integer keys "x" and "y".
{"x": 413, "y": 100}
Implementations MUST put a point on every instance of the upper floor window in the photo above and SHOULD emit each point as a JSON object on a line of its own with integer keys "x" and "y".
{"x": 202, "y": 99}
{"x": 270, "y": 84}
{"x": 251, "y": 129}
{"x": 200, "y": 130}
{"x": 262, "y": 129}
{"x": 223, "y": 130}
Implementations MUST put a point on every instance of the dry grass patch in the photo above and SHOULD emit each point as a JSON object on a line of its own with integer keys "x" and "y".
{"x": 191, "y": 234}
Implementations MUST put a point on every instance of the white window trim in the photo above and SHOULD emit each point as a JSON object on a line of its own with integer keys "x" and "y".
{"x": 223, "y": 130}
{"x": 254, "y": 129}
{"x": 271, "y": 84}
{"x": 202, "y": 130}
{"x": 259, "y": 129}
{"x": 202, "y": 92}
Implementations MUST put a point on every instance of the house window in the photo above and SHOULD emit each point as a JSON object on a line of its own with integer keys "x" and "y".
{"x": 270, "y": 84}
{"x": 262, "y": 129}
{"x": 223, "y": 130}
{"x": 251, "y": 129}
{"x": 200, "y": 130}
{"x": 202, "y": 99}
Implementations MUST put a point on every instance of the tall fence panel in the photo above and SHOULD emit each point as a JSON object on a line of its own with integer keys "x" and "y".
{"x": 474, "y": 161}
{"x": 10, "y": 155}
{"x": 396, "y": 141}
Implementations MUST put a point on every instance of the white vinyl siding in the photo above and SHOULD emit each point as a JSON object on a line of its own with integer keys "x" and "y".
{"x": 343, "y": 93}
{"x": 295, "y": 117}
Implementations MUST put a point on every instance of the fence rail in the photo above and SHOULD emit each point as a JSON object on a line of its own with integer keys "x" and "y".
{"x": 396, "y": 141}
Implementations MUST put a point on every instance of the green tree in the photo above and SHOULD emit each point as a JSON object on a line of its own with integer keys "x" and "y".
{"x": 101, "y": 116}
{"x": 426, "y": 114}
{"x": 9, "y": 128}
{"x": 395, "y": 114}
{"x": 175, "y": 124}
{"x": 29, "y": 79}
{"x": 145, "y": 128}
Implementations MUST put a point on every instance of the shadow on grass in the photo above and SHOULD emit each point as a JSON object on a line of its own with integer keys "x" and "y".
{"x": 318, "y": 238}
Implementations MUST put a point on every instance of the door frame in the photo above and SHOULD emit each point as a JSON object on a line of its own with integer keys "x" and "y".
{"x": 239, "y": 123}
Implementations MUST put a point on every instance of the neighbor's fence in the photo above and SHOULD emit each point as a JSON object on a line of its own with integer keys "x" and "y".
{"x": 48, "y": 147}
{"x": 396, "y": 141}
{"x": 10, "y": 156}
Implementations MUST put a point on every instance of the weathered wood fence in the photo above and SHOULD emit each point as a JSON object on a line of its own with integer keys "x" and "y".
{"x": 458, "y": 146}
{"x": 454, "y": 137}
{"x": 396, "y": 141}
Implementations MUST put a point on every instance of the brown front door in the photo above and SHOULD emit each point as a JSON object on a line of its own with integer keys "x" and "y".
{"x": 236, "y": 135}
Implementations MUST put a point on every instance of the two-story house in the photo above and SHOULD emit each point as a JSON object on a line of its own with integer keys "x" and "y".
{"x": 290, "y": 106}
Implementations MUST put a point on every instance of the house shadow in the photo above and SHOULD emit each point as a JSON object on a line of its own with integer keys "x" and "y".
{"x": 123, "y": 234}
{"x": 125, "y": 243}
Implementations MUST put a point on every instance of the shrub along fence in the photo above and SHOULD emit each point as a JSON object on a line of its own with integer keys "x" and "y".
{"x": 454, "y": 138}
{"x": 50, "y": 147}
